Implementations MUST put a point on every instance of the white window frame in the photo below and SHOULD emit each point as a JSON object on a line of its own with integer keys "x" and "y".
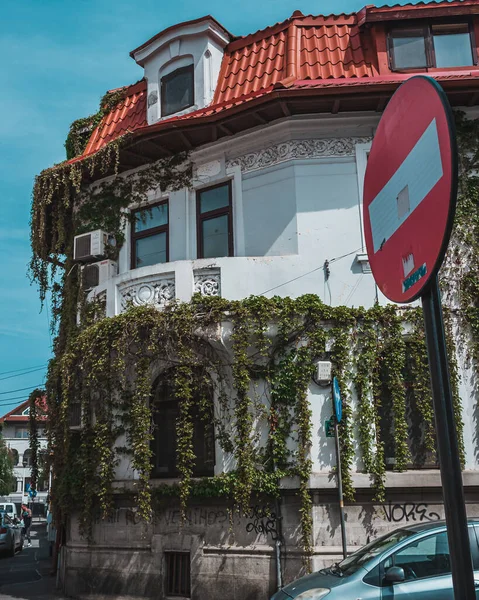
{"x": 362, "y": 152}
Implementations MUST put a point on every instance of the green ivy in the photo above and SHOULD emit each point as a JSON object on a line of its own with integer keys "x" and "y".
{"x": 35, "y": 412}
{"x": 93, "y": 371}
{"x": 106, "y": 366}
{"x": 81, "y": 129}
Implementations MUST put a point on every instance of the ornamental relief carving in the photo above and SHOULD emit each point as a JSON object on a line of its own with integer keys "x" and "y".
{"x": 297, "y": 149}
{"x": 208, "y": 282}
{"x": 158, "y": 293}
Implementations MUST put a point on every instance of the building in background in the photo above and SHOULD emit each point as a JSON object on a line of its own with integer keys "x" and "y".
{"x": 278, "y": 125}
{"x": 16, "y": 434}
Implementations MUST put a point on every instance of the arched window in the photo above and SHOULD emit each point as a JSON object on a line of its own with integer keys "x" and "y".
{"x": 27, "y": 458}
{"x": 166, "y": 410}
{"x": 14, "y": 456}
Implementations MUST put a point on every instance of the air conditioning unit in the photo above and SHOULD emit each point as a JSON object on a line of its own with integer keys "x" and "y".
{"x": 89, "y": 246}
{"x": 98, "y": 273}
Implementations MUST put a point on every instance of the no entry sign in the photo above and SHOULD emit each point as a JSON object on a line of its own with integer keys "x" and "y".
{"x": 409, "y": 203}
{"x": 410, "y": 189}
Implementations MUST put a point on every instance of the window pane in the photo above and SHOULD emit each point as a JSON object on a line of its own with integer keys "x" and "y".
{"x": 452, "y": 49}
{"x": 409, "y": 52}
{"x": 428, "y": 557}
{"x": 151, "y": 250}
{"x": 149, "y": 218}
{"x": 165, "y": 418}
{"x": 215, "y": 237}
{"x": 177, "y": 91}
{"x": 217, "y": 197}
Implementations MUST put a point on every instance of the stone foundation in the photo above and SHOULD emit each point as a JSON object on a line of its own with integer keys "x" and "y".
{"x": 232, "y": 556}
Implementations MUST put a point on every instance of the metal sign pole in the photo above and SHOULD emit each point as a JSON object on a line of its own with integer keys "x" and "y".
{"x": 340, "y": 488}
{"x": 447, "y": 447}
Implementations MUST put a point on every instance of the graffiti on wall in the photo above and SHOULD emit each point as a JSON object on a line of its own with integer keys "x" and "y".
{"x": 408, "y": 512}
{"x": 262, "y": 521}
{"x": 196, "y": 516}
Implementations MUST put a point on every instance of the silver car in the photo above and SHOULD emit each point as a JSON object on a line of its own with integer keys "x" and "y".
{"x": 409, "y": 563}
{"x": 11, "y": 538}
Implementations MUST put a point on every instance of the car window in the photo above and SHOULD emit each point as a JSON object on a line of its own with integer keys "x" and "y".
{"x": 7, "y": 520}
{"x": 427, "y": 557}
{"x": 354, "y": 562}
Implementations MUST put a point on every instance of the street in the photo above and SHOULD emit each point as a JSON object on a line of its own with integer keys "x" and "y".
{"x": 27, "y": 574}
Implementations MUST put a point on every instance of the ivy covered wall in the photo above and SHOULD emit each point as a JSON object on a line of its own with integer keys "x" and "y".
{"x": 107, "y": 366}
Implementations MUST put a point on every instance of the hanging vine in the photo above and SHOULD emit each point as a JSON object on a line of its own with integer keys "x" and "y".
{"x": 35, "y": 412}
{"x": 105, "y": 368}
{"x": 81, "y": 129}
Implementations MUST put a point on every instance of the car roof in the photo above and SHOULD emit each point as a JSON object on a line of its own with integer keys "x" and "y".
{"x": 420, "y": 527}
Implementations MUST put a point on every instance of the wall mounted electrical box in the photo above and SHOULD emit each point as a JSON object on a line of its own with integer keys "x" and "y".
{"x": 323, "y": 374}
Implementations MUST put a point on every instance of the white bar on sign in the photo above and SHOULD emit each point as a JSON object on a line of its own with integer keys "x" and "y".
{"x": 418, "y": 174}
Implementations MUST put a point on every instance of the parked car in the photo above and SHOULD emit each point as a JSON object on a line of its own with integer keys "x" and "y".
{"x": 11, "y": 537}
{"x": 408, "y": 563}
{"x": 9, "y": 508}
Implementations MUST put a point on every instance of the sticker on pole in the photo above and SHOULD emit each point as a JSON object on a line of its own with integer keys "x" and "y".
{"x": 338, "y": 405}
{"x": 410, "y": 189}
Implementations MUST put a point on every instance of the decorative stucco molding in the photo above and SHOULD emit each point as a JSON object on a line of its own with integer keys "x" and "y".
{"x": 156, "y": 291}
{"x": 297, "y": 149}
{"x": 208, "y": 282}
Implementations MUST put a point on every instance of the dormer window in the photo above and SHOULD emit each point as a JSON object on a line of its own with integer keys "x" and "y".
{"x": 431, "y": 46}
{"x": 177, "y": 91}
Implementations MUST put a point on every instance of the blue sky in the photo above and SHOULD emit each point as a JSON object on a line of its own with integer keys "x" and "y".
{"x": 58, "y": 59}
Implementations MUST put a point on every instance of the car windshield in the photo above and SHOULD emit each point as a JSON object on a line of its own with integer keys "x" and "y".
{"x": 354, "y": 562}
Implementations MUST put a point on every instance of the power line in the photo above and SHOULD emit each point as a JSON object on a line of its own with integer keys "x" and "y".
{"x": 309, "y": 272}
{"x": 24, "y": 369}
{"x": 6, "y": 401}
{"x": 291, "y": 280}
{"x": 31, "y": 387}
{"x": 21, "y": 374}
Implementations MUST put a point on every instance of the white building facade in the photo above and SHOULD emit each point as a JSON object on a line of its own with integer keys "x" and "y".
{"x": 16, "y": 434}
{"x": 278, "y": 125}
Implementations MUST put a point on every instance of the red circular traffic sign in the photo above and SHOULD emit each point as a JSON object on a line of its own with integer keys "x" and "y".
{"x": 410, "y": 189}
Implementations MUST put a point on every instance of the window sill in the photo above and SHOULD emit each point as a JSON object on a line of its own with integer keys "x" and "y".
{"x": 185, "y": 111}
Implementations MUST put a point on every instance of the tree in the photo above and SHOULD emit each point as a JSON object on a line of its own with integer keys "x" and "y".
{"x": 7, "y": 478}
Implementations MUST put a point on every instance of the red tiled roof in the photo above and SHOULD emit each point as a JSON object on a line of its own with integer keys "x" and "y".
{"x": 302, "y": 52}
{"x": 128, "y": 115}
{"x": 332, "y": 51}
{"x": 252, "y": 67}
{"x": 16, "y": 416}
{"x": 302, "y": 47}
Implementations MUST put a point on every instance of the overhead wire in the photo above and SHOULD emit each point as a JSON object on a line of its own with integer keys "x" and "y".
{"x": 310, "y": 272}
{"x": 22, "y": 374}
{"x": 24, "y": 369}
{"x": 6, "y": 401}
{"x": 30, "y": 387}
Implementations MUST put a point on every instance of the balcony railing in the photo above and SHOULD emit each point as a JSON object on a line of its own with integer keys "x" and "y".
{"x": 159, "y": 287}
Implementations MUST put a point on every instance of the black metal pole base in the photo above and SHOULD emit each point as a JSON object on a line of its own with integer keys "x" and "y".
{"x": 340, "y": 490}
{"x": 447, "y": 447}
